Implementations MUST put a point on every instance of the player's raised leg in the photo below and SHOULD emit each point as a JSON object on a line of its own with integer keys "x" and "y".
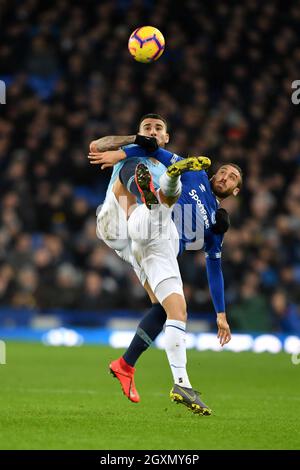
{"x": 170, "y": 184}
{"x": 188, "y": 164}
{"x": 144, "y": 183}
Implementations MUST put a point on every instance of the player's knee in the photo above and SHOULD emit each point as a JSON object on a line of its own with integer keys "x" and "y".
{"x": 168, "y": 200}
{"x": 138, "y": 226}
{"x": 183, "y": 312}
{"x": 170, "y": 292}
{"x": 180, "y": 315}
{"x": 177, "y": 314}
{"x": 113, "y": 234}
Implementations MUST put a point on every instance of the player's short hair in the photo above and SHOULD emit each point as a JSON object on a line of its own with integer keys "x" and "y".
{"x": 153, "y": 116}
{"x": 238, "y": 168}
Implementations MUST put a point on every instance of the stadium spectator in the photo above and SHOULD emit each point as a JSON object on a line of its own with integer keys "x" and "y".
{"x": 286, "y": 314}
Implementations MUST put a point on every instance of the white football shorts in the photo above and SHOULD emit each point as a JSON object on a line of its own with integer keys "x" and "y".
{"x": 155, "y": 246}
{"x": 112, "y": 228}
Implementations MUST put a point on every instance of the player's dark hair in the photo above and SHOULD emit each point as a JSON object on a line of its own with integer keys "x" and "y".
{"x": 153, "y": 116}
{"x": 238, "y": 168}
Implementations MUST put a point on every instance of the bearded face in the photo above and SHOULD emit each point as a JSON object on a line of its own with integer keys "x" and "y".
{"x": 226, "y": 181}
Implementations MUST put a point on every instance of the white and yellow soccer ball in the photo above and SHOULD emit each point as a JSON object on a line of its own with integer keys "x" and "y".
{"x": 146, "y": 44}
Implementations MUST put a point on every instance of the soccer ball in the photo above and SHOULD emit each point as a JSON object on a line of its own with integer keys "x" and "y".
{"x": 146, "y": 44}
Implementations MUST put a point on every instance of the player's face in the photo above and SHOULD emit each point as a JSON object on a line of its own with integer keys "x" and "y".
{"x": 225, "y": 182}
{"x": 155, "y": 128}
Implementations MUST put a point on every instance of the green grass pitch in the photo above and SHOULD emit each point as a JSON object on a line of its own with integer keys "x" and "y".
{"x": 64, "y": 398}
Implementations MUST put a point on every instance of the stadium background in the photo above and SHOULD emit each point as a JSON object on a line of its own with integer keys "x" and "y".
{"x": 224, "y": 84}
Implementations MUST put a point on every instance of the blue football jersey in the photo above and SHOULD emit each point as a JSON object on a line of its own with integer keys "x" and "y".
{"x": 194, "y": 216}
{"x": 200, "y": 204}
{"x": 194, "y": 213}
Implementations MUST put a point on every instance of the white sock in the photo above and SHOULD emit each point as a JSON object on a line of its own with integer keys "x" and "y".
{"x": 176, "y": 351}
{"x": 170, "y": 185}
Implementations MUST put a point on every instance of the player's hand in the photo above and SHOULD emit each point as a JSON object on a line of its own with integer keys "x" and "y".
{"x": 222, "y": 221}
{"x": 149, "y": 144}
{"x": 224, "y": 334}
{"x": 106, "y": 159}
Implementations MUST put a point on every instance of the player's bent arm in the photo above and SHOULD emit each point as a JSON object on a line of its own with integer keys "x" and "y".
{"x": 114, "y": 142}
{"x": 111, "y": 142}
{"x": 111, "y": 157}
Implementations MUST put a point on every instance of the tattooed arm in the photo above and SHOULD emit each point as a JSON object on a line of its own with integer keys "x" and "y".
{"x": 111, "y": 142}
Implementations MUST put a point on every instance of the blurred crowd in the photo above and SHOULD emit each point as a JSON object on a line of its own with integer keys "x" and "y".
{"x": 224, "y": 85}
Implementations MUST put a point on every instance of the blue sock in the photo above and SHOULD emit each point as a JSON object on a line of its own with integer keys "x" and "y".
{"x": 148, "y": 329}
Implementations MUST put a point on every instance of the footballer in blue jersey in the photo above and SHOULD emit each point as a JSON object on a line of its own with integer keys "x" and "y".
{"x": 203, "y": 197}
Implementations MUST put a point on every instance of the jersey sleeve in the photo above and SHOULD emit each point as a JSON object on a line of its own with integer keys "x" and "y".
{"x": 213, "y": 248}
{"x": 163, "y": 156}
{"x": 216, "y": 283}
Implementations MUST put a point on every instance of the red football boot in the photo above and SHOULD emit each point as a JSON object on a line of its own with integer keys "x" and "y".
{"x": 144, "y": 182}
{"x": 125, "y": 374}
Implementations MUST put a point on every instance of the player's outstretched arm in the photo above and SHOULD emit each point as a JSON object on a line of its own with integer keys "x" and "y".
{"x": 163, "y": 156}
{"x": 111, "y": 142}
{"x": 216, "y": 287}
{"x": 111, "y": 157}
{"x": 103, "y": 151}
{"x": 114, "y": 142}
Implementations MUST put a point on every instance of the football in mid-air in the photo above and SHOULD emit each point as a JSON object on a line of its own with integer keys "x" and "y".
{"x": 146, "y": 44}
